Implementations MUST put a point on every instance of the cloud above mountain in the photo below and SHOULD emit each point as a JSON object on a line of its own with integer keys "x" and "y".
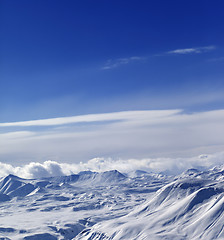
{"x": 167, "y": 165}
{"x": 119, "y": 135}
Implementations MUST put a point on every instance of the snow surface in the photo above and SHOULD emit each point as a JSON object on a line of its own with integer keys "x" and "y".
{"x": 111, "y": 205}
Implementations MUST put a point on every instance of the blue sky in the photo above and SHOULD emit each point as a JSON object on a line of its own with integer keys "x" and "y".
{"x": 71, "y": 58}
{"x": 63, "y": 58}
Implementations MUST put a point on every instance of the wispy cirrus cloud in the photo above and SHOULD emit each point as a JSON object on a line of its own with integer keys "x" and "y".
{"x": 102, "y": 117}
{"x": 196, "y": 50}
{"x": 114, "y": 63}
{"x": 125, "y": 135}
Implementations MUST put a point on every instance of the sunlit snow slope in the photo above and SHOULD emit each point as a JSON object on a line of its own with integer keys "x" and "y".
{"x": 111, "y": 205}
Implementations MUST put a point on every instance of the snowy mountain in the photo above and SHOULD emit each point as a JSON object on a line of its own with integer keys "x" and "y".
{"x": 112, "y": 205}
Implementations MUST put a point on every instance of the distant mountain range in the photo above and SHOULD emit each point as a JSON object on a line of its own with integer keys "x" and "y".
{"x": 112, "y": 205}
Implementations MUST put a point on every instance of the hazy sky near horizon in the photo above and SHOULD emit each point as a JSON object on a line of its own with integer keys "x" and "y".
{"x": 119, "y": 135}
{"x": 67, "y": 59}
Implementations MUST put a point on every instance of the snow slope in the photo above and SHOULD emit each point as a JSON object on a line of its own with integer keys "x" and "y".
{"x": 111, "y": 205}
{"x": 191, "y": 207}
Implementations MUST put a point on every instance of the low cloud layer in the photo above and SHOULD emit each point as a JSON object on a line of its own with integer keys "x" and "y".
{"x": 123, "y": 135}
{"x": 167, "y": 165}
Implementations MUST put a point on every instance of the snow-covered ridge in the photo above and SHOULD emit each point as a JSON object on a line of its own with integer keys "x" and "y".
{"x": 112, "y": 205}
{"x": 13, "y": 186}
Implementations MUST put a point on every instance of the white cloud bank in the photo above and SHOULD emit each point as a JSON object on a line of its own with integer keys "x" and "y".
{"x": 163, "y": 135}
{"x": 172, "y": 165}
